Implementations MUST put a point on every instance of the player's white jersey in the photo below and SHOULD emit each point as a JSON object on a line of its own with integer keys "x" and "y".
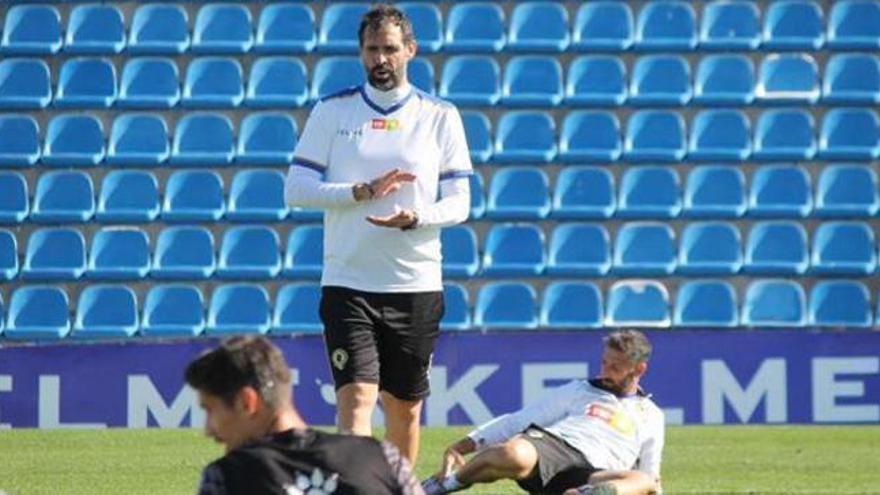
{"x": 614, "y": 433}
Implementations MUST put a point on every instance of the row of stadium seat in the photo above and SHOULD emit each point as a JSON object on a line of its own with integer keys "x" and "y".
{"x": 469, "y": 27}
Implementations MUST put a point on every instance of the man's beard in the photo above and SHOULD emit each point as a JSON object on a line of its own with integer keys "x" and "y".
{"x": 383, "y": 83}
{"x": 619, "y": 387}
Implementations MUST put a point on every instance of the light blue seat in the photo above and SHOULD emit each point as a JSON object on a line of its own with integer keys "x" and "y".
{"x": 249, "y": 252}
{"x": 157, "y": 28}
{"x": 149, "y": 82}
{"x": 478, "y": 196}
{"x": 644, "y": 249}
{"x": 336, "y": 73}
{"x": 105, "y": 312}
{"x": 461, "y": 256}
{"x": 31, "y": 30}
{"x": 854, "y": 24}
{"x": 471, "y": 80}
{"x": 637, "y": 303}
{"x": 788, "y": 78}
{"x": 572, "y": 305}
{"x": 596, "y": 80}
{"x": 794, "y": 25}
{"x": 24, "y": 84}
{"x": 119, "y": 253}
{"x": 777, "y": 248}
{"x": 213, "y": 82}
{"x": 579, "y": 250}
{"x": 784, "y": 134}
{"x": 844, "y": 248}
{"x": 774, "y": 303}
{"x": 63, "y": 196}
{"x": 297, "y": 309}
{"x": 420, "y": 73}
{"x": 602, "y": 25}
{"x": 525, "y": 136}
{"x": 660, "y": 80}
{"x": 715, "y": 192}
{"x": 427, "y": 25}
{"x": 138, "y": 139}
{"x": 86, "y": 83}
{"x": 238, "y": 308}
{"x": 514, "y": 250}
{"x": 38, "y": 312}
{"x": 19, "y": 141}
{"x": 706, "y": 304}
{"x": 8, "y": 255}
{"x": 584, "y": 192}
{"x": 73, "y": 140}
{"x": 222, "y": 29}
{"x": 203, "y": 139}
{"x": 518, "y": 193}
{"x": 649, "y": 192}
{"x": 128, "y": 196}
{"x": 531, "y": 80}
{"x": 14, "y": 202}
{"x": 183, "y": 253}
{"x": 780, "y": 191}
{"x": 54, "y": 254}
{"x": 193, "y": 196}
{"x": 730, "y": 26}
{"x": 840, "y": 303}
{"x": 666, "y": 26}
{"x": 266, "y": 138}
{"x": 338, "y": 32}
{"x": 95, "y": 28}
{"x": 277, "y": 82}
{"x": 457, "y": 311}
{"x": 538, "y": 27}
{"x": 478, "y": 131}
{"x": 710, "y": 248}
{"x": 285, "y": 28}
{"x": 257, "y": 196}
{"x": 852, "y": 78}
{"x": 173, "y": 310}
{"x": 506, "y": 305}
{"x": 655, "y": 135}
{"x": 847, "y": 191}
{"x": 590, "y": 136}
{"x": 850, "y": 133}
{"x": 304, "y": 257}
{"x": 474, "y": 27}
{"x": 725, "y": 80}
{"x": 720, "y": 135}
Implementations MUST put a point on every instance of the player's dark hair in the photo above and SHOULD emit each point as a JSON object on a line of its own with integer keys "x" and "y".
{"x": 632, "y": 343}
{"x": 251, "y": 361}
{"x": 381, "y": 14}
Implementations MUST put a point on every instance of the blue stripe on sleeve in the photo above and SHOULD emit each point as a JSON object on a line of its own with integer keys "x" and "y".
{"x": 302, "y": 162}
{"x": 455, "y": 174}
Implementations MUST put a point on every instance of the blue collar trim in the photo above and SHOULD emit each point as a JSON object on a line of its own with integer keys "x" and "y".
{"x": 386, "y": 111}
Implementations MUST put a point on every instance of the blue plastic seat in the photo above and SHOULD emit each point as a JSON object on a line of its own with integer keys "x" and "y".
{"x": 461, "y": 256}
{"x": 655, "y": 135}
{"x": 249, "y": 252}
{"x": 335, "y": 73}
{"x": 603, "y": 26}
{"x": 854, "y": 24}
{"x": 176, "y": 310}
{"x": 183, "y": 253}
{"x": 571, "y": 305}
{"x": 297, "y": 309}
{"x": 637, "y": 303}
{"x": 474, "y": 27}
{"x": 338, "y": 32}
{"x": 119, "y": 253}
{"x": 257, "y": 195}
{"x": 420, "y": 73}
{"x": 584, "y": 192}
{"x": 193, "y": 196}
{"x": 596, "y": 80}
{"x": 471, "y": 80}
{"x": 31, "y": 30}
{"x": 24, "y": 84}
{"x": 222, "y": 29}
{"x": 73, "y": 140}
{"x": 590, "y": 136}
{"x": 705, "y": 304}
{"x": 14, "y": 203}
{"x": 538, "y": 27}
{"x": 844, "y": 248}
{"x": 794, "y": 25}
{"x": 8, "y": 255}
{"x": 579, "y": 250}
{"x": 304, "y": 257}
{"x": 286, "y": 28}
{"x": 238, "y": 308}
{"x": 777, "y": 248}
{"x": 715, "y": 192}
{"x": 38, "y": 312}
{"x": 710, "y": 248}
{"x": 506, "y": 305}
{"x": 149, "y": 82}
{"x": 478, "y": 196}
{"x": 850, "y": 133}
{"x": 847, "y": 191}
{"x": 213, "y": 82}
{"x": 725, "y": 80}
{"x": 852, "y": 78}
{"x": 518, "y": 193}
{"x": 203, "y": 139}
{"x": 730, "y": 26}
{"x": 774, "y": 303}
{"x": 63, "y": 196}
{"x": 157, "y": 28}
{"x": 106, "y": 312}
{"x": 666, "y": 26}
{"x": 138, "y": 139}
{"x": 790, "y": 78}
{"x": 95, "y": 28}
{"x": 514, "y": 250}
{"x": 780, "y": 191}
{"x": 128, "y": 196}
{"x": 525, "y": 136}
{"x": 784, "y": 134}
{"x": 649, "y": 192}
{"x": 840, "y": 303}
{"x": 478, "y": 130}
{"x": 54, "y": 254}
{"x": 19, "y": 141}
{"x": 645, "y": 249}
{"x": 266, "y": 139}
{"x": 532, "y": 81}
{"x": 457, "y": 311}
{"x": 86, "y": 82}
{"x": 277, "y": 82}
{"x": 720, "y": 135}
{"x": 427, "y": 25}
{"x": 660, "y": 80}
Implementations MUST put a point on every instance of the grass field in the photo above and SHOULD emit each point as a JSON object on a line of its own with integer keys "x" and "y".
{"x": 737, "y": 459}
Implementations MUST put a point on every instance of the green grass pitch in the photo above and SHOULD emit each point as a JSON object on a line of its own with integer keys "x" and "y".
{"x": 699, "y": 459}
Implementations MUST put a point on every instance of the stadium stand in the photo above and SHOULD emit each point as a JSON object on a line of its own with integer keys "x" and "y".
{"x": 237, "y": 309}
{"x": 285, "y": 28}
{"x": 159, "y": 29}
{"x": 295, "y": 309}
{"x": 173, "y": 310}
{"x": 19, "y": 141}
{"x": 506, "y": 305}
{"x": 461, "y": 257}
{"x": 222, "y": 28}
{"x": 575, "y": 305}
{"x": 119, "y": 253}
{"x": 457, "y": 311}
{"x": 105, "y": 312}
{"x": 63, "y": 197}
{"x": 95, "y": 29}
{"x": 31, "y": 30}
{"x": 706, "y": 304}
{"x": 14, "y": 202}
{"x": 128, "y": 196}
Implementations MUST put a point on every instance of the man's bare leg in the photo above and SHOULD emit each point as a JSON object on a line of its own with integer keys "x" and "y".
{"x": 402, "y": 421}
{"x": 514, "y": 459}
{"x": 354, "y": 407}
{"x": 619, "y": 483}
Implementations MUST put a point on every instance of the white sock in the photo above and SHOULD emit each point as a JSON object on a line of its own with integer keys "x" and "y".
{"x": 451, "y": 483}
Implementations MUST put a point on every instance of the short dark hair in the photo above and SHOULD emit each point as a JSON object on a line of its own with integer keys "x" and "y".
{"x": 248, "y": 361}
{"x": 632, "y": 343}
{"x": 381, "y": 14}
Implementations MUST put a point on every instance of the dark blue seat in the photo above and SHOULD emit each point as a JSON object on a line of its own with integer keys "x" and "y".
{"x": 66, "y": 196}
{"x": 427, "y": 25}
{"x": 655, "y": 135}
{"x": 531, "y": 80}
{"x": 518, "y": 193}
{"x": 794, "y": 25}
{"x": 478, "y": 130}
{"x": 710, "y": 248}
{"x": 730, "y": 26}
{"x": 86, "y": 83}
{"x": 266, "y": 138}
{"x": 338, "y": 32}
{"x": 649, "y": 192}
{"x": 584, "y": 192}
{"x": 474, "y": 27}
{"x": 844, "y": 248}
{"x": 249, "y": 252}
{"x": 471, "y": 80}
{"x": 596, "y": 80}
{"x": 193, "y": 196}
{"x": 286, "y": 28}
{"x": 106, "y": 312}
{"x": 850, "y": 133}
{"x": 8, "y": 256}
{"x": 54, "y": 254}
{"x": 774, "y": 303}
{"x": 538, "y": 27}
{"x": 237, "y": 309}
{"x": 847, "y": 191}
{"x": 579, "y": 250}
{"x": 478, "y": 196}
{"x": 203, "y": 139}
{"x": 119, "y": 253}
{"x": 14, "y": 203}
{"x": 840, "y": 303}
{"x": 706, "y": 304}
{"x": 788, "y": 78}
{"x": 222, "y": 29}
{"x": 514, "y": 250}
{"x": 461, "y": 256}
{"x": 38, "y": 312}
{"x": 138, "y": 139}
{"x": 784, "y": 134}
{"x": 457, "y": 310}
{"x": 24, "y": 84}
{"x": 95, "y": 28}
{"x": 149, "y": 82}
{"x": 666, "y": 26}
{"x": 31, "y": 30}
{"x": 128, "y": 196}
{"x": 639, "y": 303}
{"x": 852, "y": 78}
{"x": 420, "y": 73}
{"x": 720, "y": 135}
{"x": 19, "y": 141}
{"x": 590, "y": 136}
{"x": 572, "y": 305}
{"x": 603, "y": 25}
{"x": 854, "y": 24}
{"x": 780, "y": 191}
{"x": 725, "y": 80}
{"x": 213, "y": 82}
{"x": 335, "y": 73}
{"x": 715, "y": 192}
{"x": 257, "y": 196}
{"x": 73, "y": 140}
{"x": 183, "y": 253}
{"x": 777, "y": 248}
{"x": 304, "y": 257}
{"x": 660, "y": 80}
{"x": 176, "y": 310}
{"x": 644, "y": 249}
{"x": 506, "y": 305}
{"x": 277, "y": 82}
{"x": 157, "y": 28}
{"x": 525, "y": 136}
{"x": 297, "y": 309}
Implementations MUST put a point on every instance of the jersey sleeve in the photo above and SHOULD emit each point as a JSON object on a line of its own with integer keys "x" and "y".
{"x": 456, "y": 161}
{"x": 313, "y": 147}
{"x": 212, "y": 482}
{"x": 652, "y": 447}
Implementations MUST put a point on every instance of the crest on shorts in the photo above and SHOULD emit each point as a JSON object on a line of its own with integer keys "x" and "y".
{"x": 339, "y": 358}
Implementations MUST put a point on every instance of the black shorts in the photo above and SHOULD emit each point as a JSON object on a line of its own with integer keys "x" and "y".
{"x": 560, "y": 466}
{"x": 384, "y": 338}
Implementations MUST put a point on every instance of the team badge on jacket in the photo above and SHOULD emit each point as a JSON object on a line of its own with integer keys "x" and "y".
{"x": 386, "y": 124}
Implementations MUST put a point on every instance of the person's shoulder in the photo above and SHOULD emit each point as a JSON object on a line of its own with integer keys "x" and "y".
{"x": 342, "y": 94}
{"x": 434, "y": 102}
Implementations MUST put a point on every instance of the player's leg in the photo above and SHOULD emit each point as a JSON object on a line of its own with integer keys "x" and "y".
{"x": 617, "y": 483}
{"x": 402, "y": 418}
{"x": 514, "y": 459}
{"x": 354, "y": 405}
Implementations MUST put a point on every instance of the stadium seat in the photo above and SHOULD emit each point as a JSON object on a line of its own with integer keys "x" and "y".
{"x": 304, "y": 257}
{"x": 478, "y": 196}
{"x": 532, "y": 81}
{"x": 159, "y": 29}
{"x": 596, "y": 80}
{"x": 336, "y": 73}
{"x": 266, "y": 139}
{"x": 590, "y": 136}
{"x": 238, "y": 308}
{"x": 183, "y": 253}
{"x": 784, "y": 134}
{"x": 427, "y": 25}
{"x": 338, "y": 32}
{"x": 538, "y": 27}
{"x": 780, "y": 191}
{"x": 844, "y": 248}
{"x": 19, "y": 141}
{"x": 478, "y": 130}
{"x": 525, "y": 136}
{"x": 852, "y": 78}
{"x": 471, "y": 80}
{"x": 506, "y": 305}
{"x": 86, "y": 83}
{"x": 297, "y": 309}
{"x": 644, "y": 249}
{"x": 705, "y": 304}
{"x": 8, "y": 256}
{"x": 710, "y": 248}
{"x": 794, "y": 25}
{"x": 730, "y": 26}
{"x": 847, "y": 191}
{"x": 649, "y": 192}
{"x": 720, "y": 135}
{"x": 640, "y": 303}
{"x": 176, "y": 310}
{"x": 38, "y": 312}
{"x": 128, "y": 196}
{"x": 854, "y": 24}
{"x": 277, "y": 82}
{"x": 95, "y": 28}
{"x": 73, "y": 140}
{"x": 213, "y": 82}
{"x": 584, "y": 192}
{"x": 840, "y": 303}
{"x": 420, "y": 73}
{"x": 193, "y": 196}
{"x": 774, "y": 303}
{"x": 63, "y": 196}
{"x": 203, "y": 139}
{"x": 119, "y": 253}
{"x": 655, "y": 135}
{"x": 474, "y": 27}
{"x": 602, "y": 25}
{"x": 660, "y": 80}
{"x": 788, "y": 79}
{"x": 579, "y": 250}
{"x": 572, "y": 305}
{"x": 149, "y": 82}
{"x": 514, "y": 250}
{"x": 457, "y": 311}
{"x": 257, "y": 196}
{"x": 850, "y": 133}
{"x": 106, "y": 312}
{"x": 666, "y": 26}
{"x": 138, "y": 139}
{"x": 460, "y": 253}
{"x": 777, "y": 248}
{"x": 518, "y": 193}
{"x": 14, "y": 203}
{"x": 715, "y": 192}
{"x": 24, "y": 84}
{"x": 31, "y": 30}
{"x": 286, "y": 28}
{"x": 249, "y": 252}
{"x": 222, "y": 29}
{"x": 54, "y": 254}
{"x": 725, "y": 80}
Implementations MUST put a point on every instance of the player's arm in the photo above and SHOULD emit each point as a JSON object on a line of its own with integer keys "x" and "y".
{"x": 651, "y": 452}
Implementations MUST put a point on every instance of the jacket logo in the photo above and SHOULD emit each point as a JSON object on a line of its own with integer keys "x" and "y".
{"x": 385, "y": 124}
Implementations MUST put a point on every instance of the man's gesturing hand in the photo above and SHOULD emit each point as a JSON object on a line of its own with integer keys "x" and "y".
{"x": 401, "y": 219}
{"x": 382, "y": 186}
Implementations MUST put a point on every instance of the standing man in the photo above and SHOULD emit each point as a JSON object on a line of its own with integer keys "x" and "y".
{"x": 389, "y": 164}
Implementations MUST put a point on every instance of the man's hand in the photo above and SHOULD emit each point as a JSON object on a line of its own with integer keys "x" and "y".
{"x": 452, "y": 461}
{"x": 401, "y": 219}
{"x": 382, "y": 186}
